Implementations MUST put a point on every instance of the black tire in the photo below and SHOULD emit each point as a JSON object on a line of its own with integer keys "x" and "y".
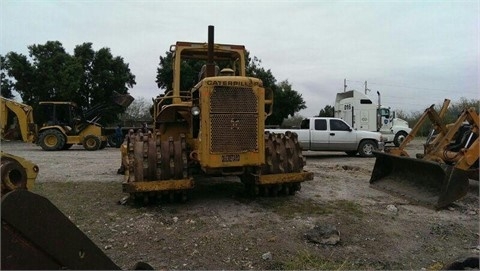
{"x": 399, "y": 138}
{"x": 67, "y": 146}
{"x": 103, "y": 145}
{"x": 351, "y": 153}
{"x": 112, "y": 141}
{"x": 366, "y": 148}
{"x": 51, "y": 140}
{"x": 91, "y": 143}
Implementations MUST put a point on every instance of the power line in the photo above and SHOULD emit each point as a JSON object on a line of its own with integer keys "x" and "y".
{"x": 404, "y": 86}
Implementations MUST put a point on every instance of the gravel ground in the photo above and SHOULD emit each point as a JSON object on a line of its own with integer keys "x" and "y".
{"x": 337, "y": 221}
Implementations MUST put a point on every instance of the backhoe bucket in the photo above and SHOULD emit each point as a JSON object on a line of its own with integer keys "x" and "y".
{"x": 423, "y": 182}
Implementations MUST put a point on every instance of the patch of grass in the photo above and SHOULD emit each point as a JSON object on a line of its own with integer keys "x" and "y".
{"x": 304, "y": 260}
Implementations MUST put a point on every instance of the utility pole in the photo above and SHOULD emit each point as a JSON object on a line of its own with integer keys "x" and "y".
{"x": 345, "y": 85}
{"x": 366, "y": 88}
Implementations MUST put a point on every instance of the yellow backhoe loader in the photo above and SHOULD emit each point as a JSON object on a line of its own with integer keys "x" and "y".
{"x": 61, "y": 124}
{"x": 440, "y": 175}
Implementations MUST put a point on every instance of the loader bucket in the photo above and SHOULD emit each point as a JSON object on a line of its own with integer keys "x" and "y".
{"x": 123, "y": 100}
{"x": 423, "y": 182}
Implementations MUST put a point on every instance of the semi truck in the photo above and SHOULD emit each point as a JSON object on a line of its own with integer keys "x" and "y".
{"x": 360, "y": 112}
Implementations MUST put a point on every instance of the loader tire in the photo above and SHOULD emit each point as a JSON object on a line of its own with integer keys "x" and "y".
{"x": 399, "y": 138}
{"x": 67, "y": 146}
{"x": 91, "y": 143}
{"x": 112, "y": 141}
{"x": 366, "y": 148}
{"x": 52, "y": 140}
{"x": 103, "y": 145}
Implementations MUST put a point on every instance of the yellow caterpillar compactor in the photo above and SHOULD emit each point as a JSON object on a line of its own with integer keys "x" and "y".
{"x": 440, "y": 175}
{"x": 215, "y": 129}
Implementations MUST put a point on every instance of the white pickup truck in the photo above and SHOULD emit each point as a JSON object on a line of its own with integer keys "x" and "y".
{"x": 334, "y": 134}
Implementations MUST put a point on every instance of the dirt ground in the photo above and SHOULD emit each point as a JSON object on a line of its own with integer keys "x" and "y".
{"x": 221, "y": 228}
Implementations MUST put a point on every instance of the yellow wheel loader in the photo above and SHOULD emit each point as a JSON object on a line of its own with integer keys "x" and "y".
{"x": 440, "y": 175}
{"x": 214, "y": 129}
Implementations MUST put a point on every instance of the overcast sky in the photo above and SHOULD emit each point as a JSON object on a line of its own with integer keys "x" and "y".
{"x": 416, "y": 53}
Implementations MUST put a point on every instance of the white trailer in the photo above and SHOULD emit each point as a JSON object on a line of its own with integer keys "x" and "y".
{"x": 358, "y": 110}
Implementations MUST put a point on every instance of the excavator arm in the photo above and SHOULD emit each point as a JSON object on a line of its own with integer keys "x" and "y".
{"x": 438, "y": 126}
{"x": 24, "y": 114}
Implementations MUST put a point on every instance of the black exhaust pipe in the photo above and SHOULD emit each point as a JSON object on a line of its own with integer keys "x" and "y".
{"x": 210, "y": 62}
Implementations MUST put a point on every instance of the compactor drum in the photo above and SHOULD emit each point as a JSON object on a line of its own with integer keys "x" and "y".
{"x": 440, "y": 175}
{"x": 216, "y": 128}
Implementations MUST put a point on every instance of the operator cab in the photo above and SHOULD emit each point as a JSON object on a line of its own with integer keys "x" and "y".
{"x": 65, "y": 114}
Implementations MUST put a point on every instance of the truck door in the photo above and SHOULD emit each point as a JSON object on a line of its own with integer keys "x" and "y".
{"x": 341, "y": 137}
{"x": 319, "y": 135}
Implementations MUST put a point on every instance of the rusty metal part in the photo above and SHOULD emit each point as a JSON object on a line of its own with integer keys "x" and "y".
{"x": 420, "y": 181}
{"x": 156, "y": 168}
{"x": 16, "y": 173}
{"x": 283, "y": 170}
{"x": 36, "y": 235}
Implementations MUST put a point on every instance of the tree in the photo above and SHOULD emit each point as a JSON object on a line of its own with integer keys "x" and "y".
{"x": 139, "y": 110}
{"x": 6, "y": 84}
{"x": 327, "y": 111}
{"x": 454, "y": 110}
{"x": 87, "y": 77}
{"x": 293, "y": 122}
{"x": 286, "y": 100}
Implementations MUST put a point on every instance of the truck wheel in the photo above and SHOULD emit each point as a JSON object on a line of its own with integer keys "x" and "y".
{"x": 91, "y": 143}
{"x": 399, "y": 138}
{"x": 51, "y": 140}
{"x": 366, "y": 148}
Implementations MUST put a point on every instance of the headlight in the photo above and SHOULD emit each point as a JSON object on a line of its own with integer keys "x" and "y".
{"x": 195, "y": 111}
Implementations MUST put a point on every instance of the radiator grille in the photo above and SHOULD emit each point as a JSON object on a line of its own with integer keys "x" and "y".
{"x": 234, "y": 116}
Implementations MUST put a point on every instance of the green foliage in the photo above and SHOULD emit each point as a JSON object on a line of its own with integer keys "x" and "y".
{"x": 87, "y": 77}
{"x": 292, "y": 122}
{"x": 454, "y": 110}
{"x": 286, "y": 102}
{"x": 189, "y": 76}
{"x": 327, "y": 111}
{"x": 6, "y": 85}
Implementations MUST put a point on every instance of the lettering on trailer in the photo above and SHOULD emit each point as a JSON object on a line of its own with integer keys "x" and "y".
{"x": 234, "y": 83}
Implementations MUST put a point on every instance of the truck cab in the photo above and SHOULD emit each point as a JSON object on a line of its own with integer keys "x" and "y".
{"x": 360, "y": 112}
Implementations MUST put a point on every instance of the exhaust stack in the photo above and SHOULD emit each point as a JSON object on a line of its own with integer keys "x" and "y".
{"x": 210, "y": 62}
